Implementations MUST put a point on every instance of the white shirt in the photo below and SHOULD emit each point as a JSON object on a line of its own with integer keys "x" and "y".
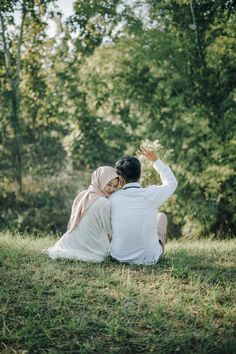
{"x": 89, "y": 240}
{"x": 134, "y": 218}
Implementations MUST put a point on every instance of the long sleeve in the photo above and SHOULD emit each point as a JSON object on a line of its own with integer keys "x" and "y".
{"x": 159, "y": 194}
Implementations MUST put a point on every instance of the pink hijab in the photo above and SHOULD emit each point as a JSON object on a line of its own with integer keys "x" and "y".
{"x": 100, "y": 177}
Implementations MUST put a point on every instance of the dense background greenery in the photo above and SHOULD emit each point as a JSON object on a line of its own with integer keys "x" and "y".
{"x": 115, "y": 74}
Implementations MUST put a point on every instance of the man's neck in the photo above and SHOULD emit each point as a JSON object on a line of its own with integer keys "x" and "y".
{"x": 131, "y": 181}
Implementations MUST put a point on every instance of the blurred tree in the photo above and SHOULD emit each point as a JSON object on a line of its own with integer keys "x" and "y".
{"x": 45, "y": 126}
{"x": 117, "y": 73}
{"x": 95, "y": 138}
{"x": 167, "y": 77}
{"x": 12, "y": 71}
{"x": 31, "y": 132}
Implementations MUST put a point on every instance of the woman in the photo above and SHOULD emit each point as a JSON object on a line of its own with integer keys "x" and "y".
{"x": 89, "y": 227}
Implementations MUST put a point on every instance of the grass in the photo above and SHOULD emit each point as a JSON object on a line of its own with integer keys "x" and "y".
{"x": 185, "y": 304}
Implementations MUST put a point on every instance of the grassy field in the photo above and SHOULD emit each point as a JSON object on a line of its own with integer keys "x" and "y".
{"x": 185, "y": 304}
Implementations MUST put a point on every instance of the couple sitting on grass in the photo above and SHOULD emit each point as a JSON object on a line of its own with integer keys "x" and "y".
{"x": 115, "y": 216}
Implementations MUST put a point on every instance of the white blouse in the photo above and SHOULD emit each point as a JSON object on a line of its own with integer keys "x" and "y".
{"x": 88, "y": 241}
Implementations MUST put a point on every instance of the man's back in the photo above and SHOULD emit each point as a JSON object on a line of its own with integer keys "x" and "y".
{"x": 134, "y": 218}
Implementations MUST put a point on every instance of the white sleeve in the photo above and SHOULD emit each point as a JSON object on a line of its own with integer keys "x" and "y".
{"x": 105, "y": 216}
{"x": 159, "y": 194}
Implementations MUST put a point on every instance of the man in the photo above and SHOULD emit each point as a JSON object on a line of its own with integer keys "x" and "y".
{"x": 138, "y": 230}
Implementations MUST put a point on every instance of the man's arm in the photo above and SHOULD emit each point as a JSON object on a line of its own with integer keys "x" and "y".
{"x": 159, "y": 194}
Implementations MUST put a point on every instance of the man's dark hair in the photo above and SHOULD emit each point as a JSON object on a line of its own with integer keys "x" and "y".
{"x": 129, "y": 167}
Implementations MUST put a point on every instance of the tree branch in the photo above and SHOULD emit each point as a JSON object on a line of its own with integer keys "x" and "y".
{"x": 201, "y": 56}
{"x": 5, "y": 47}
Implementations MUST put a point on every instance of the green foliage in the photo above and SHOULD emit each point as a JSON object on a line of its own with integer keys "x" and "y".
{"x": 163, "y": 75}
{"x": 31, "y": 134}
{"x": 116, "y": 75}
{"x": 95, "y": 144}
{"x": 93, "y": 21}
{"x": 46, "y": 204}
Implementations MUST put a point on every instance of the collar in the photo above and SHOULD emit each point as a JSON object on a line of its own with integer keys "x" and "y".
{"x": 132, "y": 184}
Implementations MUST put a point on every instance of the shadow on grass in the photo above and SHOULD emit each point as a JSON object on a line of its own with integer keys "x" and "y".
{"x": 204, "y": 267}
{"x": 186, "y": 266}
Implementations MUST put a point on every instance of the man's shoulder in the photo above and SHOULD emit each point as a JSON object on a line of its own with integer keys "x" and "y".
{"x": 134, "y": 192}
{"x": 153, "y": 186}
{"x": 150, "y": 189}
{"x": 115, "y": 194}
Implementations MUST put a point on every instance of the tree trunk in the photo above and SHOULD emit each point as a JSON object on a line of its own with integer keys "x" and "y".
{"x": 16, "y": 148}
{"x": 14, "y": 80}
{"x": 198, "y": 41}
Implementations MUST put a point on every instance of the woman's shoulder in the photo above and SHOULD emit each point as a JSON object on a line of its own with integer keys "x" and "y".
{"x": 102, "y": 202}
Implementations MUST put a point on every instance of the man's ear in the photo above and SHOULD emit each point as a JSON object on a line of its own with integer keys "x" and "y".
{"x": 121, "y": 181}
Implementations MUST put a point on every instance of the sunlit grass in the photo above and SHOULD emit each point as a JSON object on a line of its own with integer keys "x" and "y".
{"x": 185, "y": 304}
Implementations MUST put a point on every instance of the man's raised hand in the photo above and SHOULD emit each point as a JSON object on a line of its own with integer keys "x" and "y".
{"x": 149, "y": 154}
